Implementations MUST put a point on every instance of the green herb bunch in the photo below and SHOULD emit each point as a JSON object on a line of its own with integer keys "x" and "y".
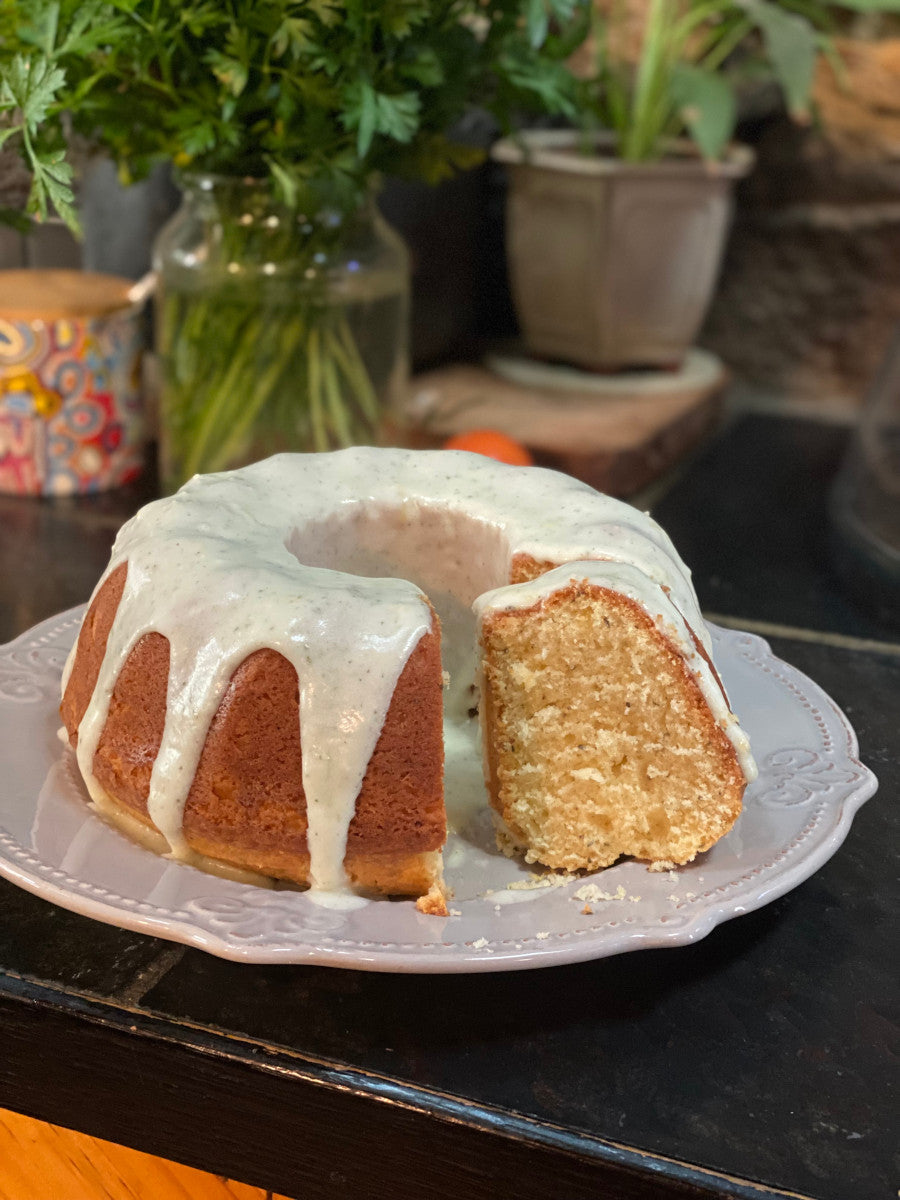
{"x": 318, "y": 95}
{"x": 693, "y": 57}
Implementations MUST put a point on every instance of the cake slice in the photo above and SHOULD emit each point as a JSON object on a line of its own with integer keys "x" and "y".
{"x": 607, "y": 735}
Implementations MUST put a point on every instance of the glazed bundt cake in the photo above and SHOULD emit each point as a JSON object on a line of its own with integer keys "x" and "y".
{"x": 259, "y": 673}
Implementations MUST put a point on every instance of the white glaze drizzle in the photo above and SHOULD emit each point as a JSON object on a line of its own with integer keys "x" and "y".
{"x": 630, "y": 581}
{"x": 215, "y": 570}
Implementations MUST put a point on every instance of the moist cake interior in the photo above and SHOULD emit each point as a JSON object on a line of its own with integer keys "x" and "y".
{"x": 595, "y": 763}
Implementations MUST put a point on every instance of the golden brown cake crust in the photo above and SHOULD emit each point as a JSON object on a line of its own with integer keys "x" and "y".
{"x": 92, "y": 640}
{"x": 246, "y": 805}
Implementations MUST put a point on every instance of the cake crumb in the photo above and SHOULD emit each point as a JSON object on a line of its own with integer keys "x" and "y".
{"x": 675, "y": 899}
{"x": 455, "y": 912}
{"x": 591, "y": 893}
{"x": 587, "y": 911}
{"x": 480, "y": 943}
{"x": 542, "y": 936}
{"x": 548, "y": 880}
{"x": 634, "y": 899}
{"x": 445, "y": 678}
{"x": 690, "y": 895}
{"x": 497, "y": 907}
{"x": 434, "y": 903}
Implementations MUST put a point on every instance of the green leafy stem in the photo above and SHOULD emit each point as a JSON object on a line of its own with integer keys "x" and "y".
{"x": 317, "y": 96}
{"x": 241, "y": 380}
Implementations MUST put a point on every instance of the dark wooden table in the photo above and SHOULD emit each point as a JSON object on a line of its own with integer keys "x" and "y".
{"x": 760, "y": 1061}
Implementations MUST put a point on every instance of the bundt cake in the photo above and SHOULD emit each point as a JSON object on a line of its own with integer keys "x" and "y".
{"x": 259, "y": 673}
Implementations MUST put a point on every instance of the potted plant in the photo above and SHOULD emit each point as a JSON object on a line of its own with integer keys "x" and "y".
{"x": 281, "y": 299}
{"x": 615, "y": 228}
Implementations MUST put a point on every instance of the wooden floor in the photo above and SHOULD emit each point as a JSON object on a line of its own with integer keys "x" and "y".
{"x": 45, "y": 1162}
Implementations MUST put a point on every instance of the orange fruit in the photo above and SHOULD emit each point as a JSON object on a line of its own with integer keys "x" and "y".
{"x": 493, "y": 444}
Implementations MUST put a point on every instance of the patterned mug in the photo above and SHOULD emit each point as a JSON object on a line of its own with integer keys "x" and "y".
{"x": 70, "y": 404}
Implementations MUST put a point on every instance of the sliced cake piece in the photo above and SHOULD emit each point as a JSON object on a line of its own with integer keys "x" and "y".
{"x": 611, "y": 733}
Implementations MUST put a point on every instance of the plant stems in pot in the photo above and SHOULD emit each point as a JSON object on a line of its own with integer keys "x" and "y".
{"x": 613, "y": 263}
{"x": 616, "y": 227}
{"x": 276, "y": 330}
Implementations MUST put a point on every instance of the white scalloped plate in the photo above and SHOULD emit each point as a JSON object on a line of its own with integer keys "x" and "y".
{"x": 795, "y": 817}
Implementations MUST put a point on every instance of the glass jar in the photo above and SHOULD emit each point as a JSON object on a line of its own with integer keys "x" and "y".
{"x": 275, "y": 329}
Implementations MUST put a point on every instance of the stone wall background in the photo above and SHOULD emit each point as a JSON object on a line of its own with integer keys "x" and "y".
{"x": 809, "y": 293}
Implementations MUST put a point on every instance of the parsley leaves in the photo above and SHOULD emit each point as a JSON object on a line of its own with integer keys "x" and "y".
{"x": 316, "y": 94}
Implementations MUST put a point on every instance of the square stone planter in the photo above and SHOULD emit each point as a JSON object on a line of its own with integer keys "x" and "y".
{"x": 613, "y": 264}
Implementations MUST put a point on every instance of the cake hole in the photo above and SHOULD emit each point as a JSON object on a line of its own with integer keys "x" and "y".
{"x": 451, "y": 555}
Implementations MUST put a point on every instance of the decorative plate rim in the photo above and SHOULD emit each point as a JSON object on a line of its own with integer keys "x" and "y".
{"x": 22, "y": 677}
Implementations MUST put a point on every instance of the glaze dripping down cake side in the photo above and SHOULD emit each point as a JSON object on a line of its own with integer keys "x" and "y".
{"x": 246, "y": 806}
{"x": 259, "y": 674}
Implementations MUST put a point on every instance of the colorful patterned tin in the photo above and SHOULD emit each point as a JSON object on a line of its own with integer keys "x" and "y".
{"x": 70, "y": 401}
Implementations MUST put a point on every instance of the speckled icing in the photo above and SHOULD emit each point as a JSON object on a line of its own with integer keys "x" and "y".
{"x": 327, "y": 559}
